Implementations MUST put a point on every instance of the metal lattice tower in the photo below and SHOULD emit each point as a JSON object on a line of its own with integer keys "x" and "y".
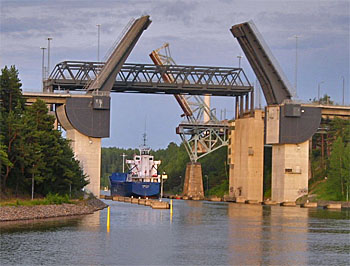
{"x": 202, "y": 133}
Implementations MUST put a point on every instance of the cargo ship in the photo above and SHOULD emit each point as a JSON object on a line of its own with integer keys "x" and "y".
{"x": 141, "y": 180}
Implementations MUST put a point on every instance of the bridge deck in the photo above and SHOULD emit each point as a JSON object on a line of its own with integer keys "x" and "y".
{"x": 331, "y": 111}
{"x": 51, "y": 98}
{"x": 147, "y": 78}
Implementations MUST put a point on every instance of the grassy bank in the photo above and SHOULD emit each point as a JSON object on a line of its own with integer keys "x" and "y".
{"x": 48, "y": 200}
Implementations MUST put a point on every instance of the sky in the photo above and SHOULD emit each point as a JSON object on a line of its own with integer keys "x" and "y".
{"x": 198, "y": 33}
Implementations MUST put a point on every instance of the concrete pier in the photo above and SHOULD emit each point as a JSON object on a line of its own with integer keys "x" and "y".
{"x": 88, "y": 151}
{"x": 288, "y": 204}
{"x": 135, "y": 200}
{"x": 160, "y": 204}
{"x": 85, "y": 145}
{"x": 247, "y": 157}
{"x": 309, "y": 205}
{"x": 333, "y": 206}
{"x": 290, "y": 171}
{"x": 193, "y": 186}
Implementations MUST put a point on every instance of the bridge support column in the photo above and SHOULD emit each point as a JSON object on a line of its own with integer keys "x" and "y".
{"x": 85, "y": 126}
{"x": 88, "y": 151}
{"x": 193, "y": 185}
{"x": 246, "y": 174}
{"x": 290, "y": 171}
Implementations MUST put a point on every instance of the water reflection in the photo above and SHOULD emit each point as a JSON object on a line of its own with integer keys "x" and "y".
{"x": 287, "y": 236}
{"x": 90, "y": 221}
{"x": 245, "y": 234}
{"x": 39, "y": 224}
{"x": 193, "y": 212}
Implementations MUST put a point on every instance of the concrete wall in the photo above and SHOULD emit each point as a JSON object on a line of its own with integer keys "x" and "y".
{"x": 290, "y": 171}
{"x": 88, "y": 151}
{"x": 272, "y": 124}
{"x": 248, "y": 157}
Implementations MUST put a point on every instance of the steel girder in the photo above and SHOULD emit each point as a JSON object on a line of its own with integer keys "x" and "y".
{"x": 147, "y": 78}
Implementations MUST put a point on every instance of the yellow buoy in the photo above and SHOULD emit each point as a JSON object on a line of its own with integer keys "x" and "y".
{"x": 171, "y": 207}
{"x": 108, "y": 218}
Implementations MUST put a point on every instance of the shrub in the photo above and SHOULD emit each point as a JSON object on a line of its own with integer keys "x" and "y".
{"x": 56, "y": 199}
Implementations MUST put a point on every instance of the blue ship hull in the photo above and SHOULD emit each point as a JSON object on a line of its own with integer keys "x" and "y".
{"x": 120, "y": 187}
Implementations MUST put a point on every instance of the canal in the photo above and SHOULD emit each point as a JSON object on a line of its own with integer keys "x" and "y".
{"x": 198, "y": 233}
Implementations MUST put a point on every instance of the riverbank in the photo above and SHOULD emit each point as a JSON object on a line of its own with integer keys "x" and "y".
{"x": 20, "y": 213}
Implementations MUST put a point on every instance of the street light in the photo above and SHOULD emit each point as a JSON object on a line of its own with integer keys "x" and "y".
{"x": 33, "y": 182}
{"x": 43, "y": 64}
{"x": 239, "y": 60}
{"x": 296, "y": 65}
{"x": 318, "y": 92}
{"x": 48, "y": 55}
{"x": 98, "y": 41}
{"x": 123, "y": 155}
{"x": 343, "y": 90}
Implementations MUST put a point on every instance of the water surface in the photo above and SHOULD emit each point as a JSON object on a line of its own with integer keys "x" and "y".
{"x": 198, "y": 233}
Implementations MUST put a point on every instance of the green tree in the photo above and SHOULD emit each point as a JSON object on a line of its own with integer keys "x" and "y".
{"x": 11, "y": 108}
{"x": 50, "y": 158}
{"x": 346, "y": 161}
{"x": 326, "y": 100}
{"x": 31, "y": 147}
{"x": 10, "y": 90}
{"x": 339, "y": 170}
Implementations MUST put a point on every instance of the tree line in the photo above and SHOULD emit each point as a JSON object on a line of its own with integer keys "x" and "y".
{"x": 30, "y": 148}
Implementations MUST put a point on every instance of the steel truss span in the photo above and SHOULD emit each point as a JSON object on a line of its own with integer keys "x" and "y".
{"x": 147, "y": 78}
{"x": 202, "y": 139}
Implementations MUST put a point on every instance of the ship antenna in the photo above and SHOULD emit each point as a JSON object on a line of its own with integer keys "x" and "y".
{"x": 144, "y": 139}
{"x": 144, "y": 135}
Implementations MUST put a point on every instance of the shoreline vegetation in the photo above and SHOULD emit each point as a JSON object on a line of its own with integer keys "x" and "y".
{"x": 35, "y": 212}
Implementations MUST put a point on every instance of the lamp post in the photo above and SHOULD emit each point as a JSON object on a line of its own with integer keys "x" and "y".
{"x": 43, "y": 63}
{"x": 343, "y": 102}
{"x": 98, "y": 41}
{"x": 239, "y": 60}
{"x": 318, "y": 91}
{"x": 123, "y": 155}
{"x": 296, "y": 65}
{"x": 33, "y": 183}
{"x": 49, "y": 39}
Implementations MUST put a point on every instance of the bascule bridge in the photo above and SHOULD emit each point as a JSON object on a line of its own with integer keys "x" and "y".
{"x": 80, "y": 93}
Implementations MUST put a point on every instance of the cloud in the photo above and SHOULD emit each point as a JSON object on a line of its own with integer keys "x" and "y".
{"x": 198, "y": 32}
{"x": 180, "y": 11}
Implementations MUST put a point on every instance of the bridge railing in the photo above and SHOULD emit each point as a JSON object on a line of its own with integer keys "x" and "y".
{"x": 147, "y": 78}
